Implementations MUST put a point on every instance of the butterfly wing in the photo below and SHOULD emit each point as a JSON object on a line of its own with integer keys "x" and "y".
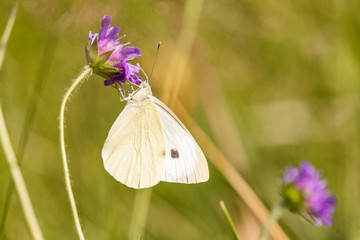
{"x": 184, "y": 160}
{"x": 133, "y": 152}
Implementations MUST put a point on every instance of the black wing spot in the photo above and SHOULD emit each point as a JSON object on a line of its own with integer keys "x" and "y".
{"x": 174, "y": 153}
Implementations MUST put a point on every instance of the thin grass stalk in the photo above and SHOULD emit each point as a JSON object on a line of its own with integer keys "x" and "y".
{"x": 82, "y": 77}
{"x": 6, "y": 35}
{"x": 218, "y": 112}
{"x": 230, "y": 173}
{"x": 20, "y": 185}
{"x": 29, "y": 119}
{"x": 3, "y": 44}
{"x": 41, "y": 76}
{"x": 230, "y": 221}
{"x": 184, "y": 44}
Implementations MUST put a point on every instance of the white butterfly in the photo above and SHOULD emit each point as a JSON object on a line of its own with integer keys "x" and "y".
{"x": 148, "y": 144}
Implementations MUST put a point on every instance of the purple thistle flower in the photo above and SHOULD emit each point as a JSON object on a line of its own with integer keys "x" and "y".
{"x": 109, "y": 58}
{"x": 304, "y": 191}
{"x": 127, "y": 69}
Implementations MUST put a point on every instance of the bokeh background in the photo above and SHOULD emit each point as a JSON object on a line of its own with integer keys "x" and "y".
{"x": 270, "y": 83}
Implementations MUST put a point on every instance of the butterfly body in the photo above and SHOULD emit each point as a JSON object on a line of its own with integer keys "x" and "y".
{"x": 148, "y": 143}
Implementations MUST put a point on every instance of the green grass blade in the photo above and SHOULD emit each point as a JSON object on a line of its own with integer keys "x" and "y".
{"x": 6, "y": 35}
{"x": 230, "y": 221}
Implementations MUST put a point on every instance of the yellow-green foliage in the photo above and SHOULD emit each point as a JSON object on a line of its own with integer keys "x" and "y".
{"x": 270, "y": 82}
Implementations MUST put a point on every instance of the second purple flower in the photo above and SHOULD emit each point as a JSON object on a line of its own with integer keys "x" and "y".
{"x": 305, "y": 192}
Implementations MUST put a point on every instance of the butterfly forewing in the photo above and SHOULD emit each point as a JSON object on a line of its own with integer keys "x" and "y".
{"x": 184, "y": 160}
{"x": 133, "y": 152}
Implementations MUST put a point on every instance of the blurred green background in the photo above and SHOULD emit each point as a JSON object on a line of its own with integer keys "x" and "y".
{"x": 270, "y": 82}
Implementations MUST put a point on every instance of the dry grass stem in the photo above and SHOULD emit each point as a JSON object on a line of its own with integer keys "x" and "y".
{"x": 230, "y": 173}
{"x": 184, "y": 44}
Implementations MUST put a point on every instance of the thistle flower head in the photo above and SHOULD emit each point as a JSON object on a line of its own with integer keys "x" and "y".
{"x": 109, "y": 58}
{"x": 305, "y": 192}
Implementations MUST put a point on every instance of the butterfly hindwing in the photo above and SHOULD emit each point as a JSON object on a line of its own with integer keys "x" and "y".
{"x": 133, "y": 152}
{"x": 184, "y": 160}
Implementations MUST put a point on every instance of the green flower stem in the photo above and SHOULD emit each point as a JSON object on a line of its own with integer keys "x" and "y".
{"x": 140, "y": 213}
{"x": 275, "y": 214}
{"x": 19, "y": 181}
{"x": 82, "y": 77}
{"x": 230, "y": 221}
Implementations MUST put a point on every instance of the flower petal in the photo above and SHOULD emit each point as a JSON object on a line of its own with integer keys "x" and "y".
{"x": 92, "y": 37}
{"x": 130, "y": 52}
{"x": 105, "y": 24}
{"x": 135, "y": 79}
{"x": 108, "y": 82}
{"x": 113, "y": 33}
{"x": 133, "y": 68}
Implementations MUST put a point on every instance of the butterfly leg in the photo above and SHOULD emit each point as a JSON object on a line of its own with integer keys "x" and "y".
{"x": 131, "y": 86}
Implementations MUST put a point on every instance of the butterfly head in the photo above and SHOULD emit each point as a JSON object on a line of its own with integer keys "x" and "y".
{"x": 144, "y": 92}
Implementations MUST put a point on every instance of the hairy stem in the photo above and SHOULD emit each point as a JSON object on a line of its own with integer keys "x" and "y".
{"x": 83, "y": 76}
{"x": 19, "y": 181}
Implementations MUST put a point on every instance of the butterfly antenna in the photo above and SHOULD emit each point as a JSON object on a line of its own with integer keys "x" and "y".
{"x": 157, "y": 51}
{"x": 142, "y": 70}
